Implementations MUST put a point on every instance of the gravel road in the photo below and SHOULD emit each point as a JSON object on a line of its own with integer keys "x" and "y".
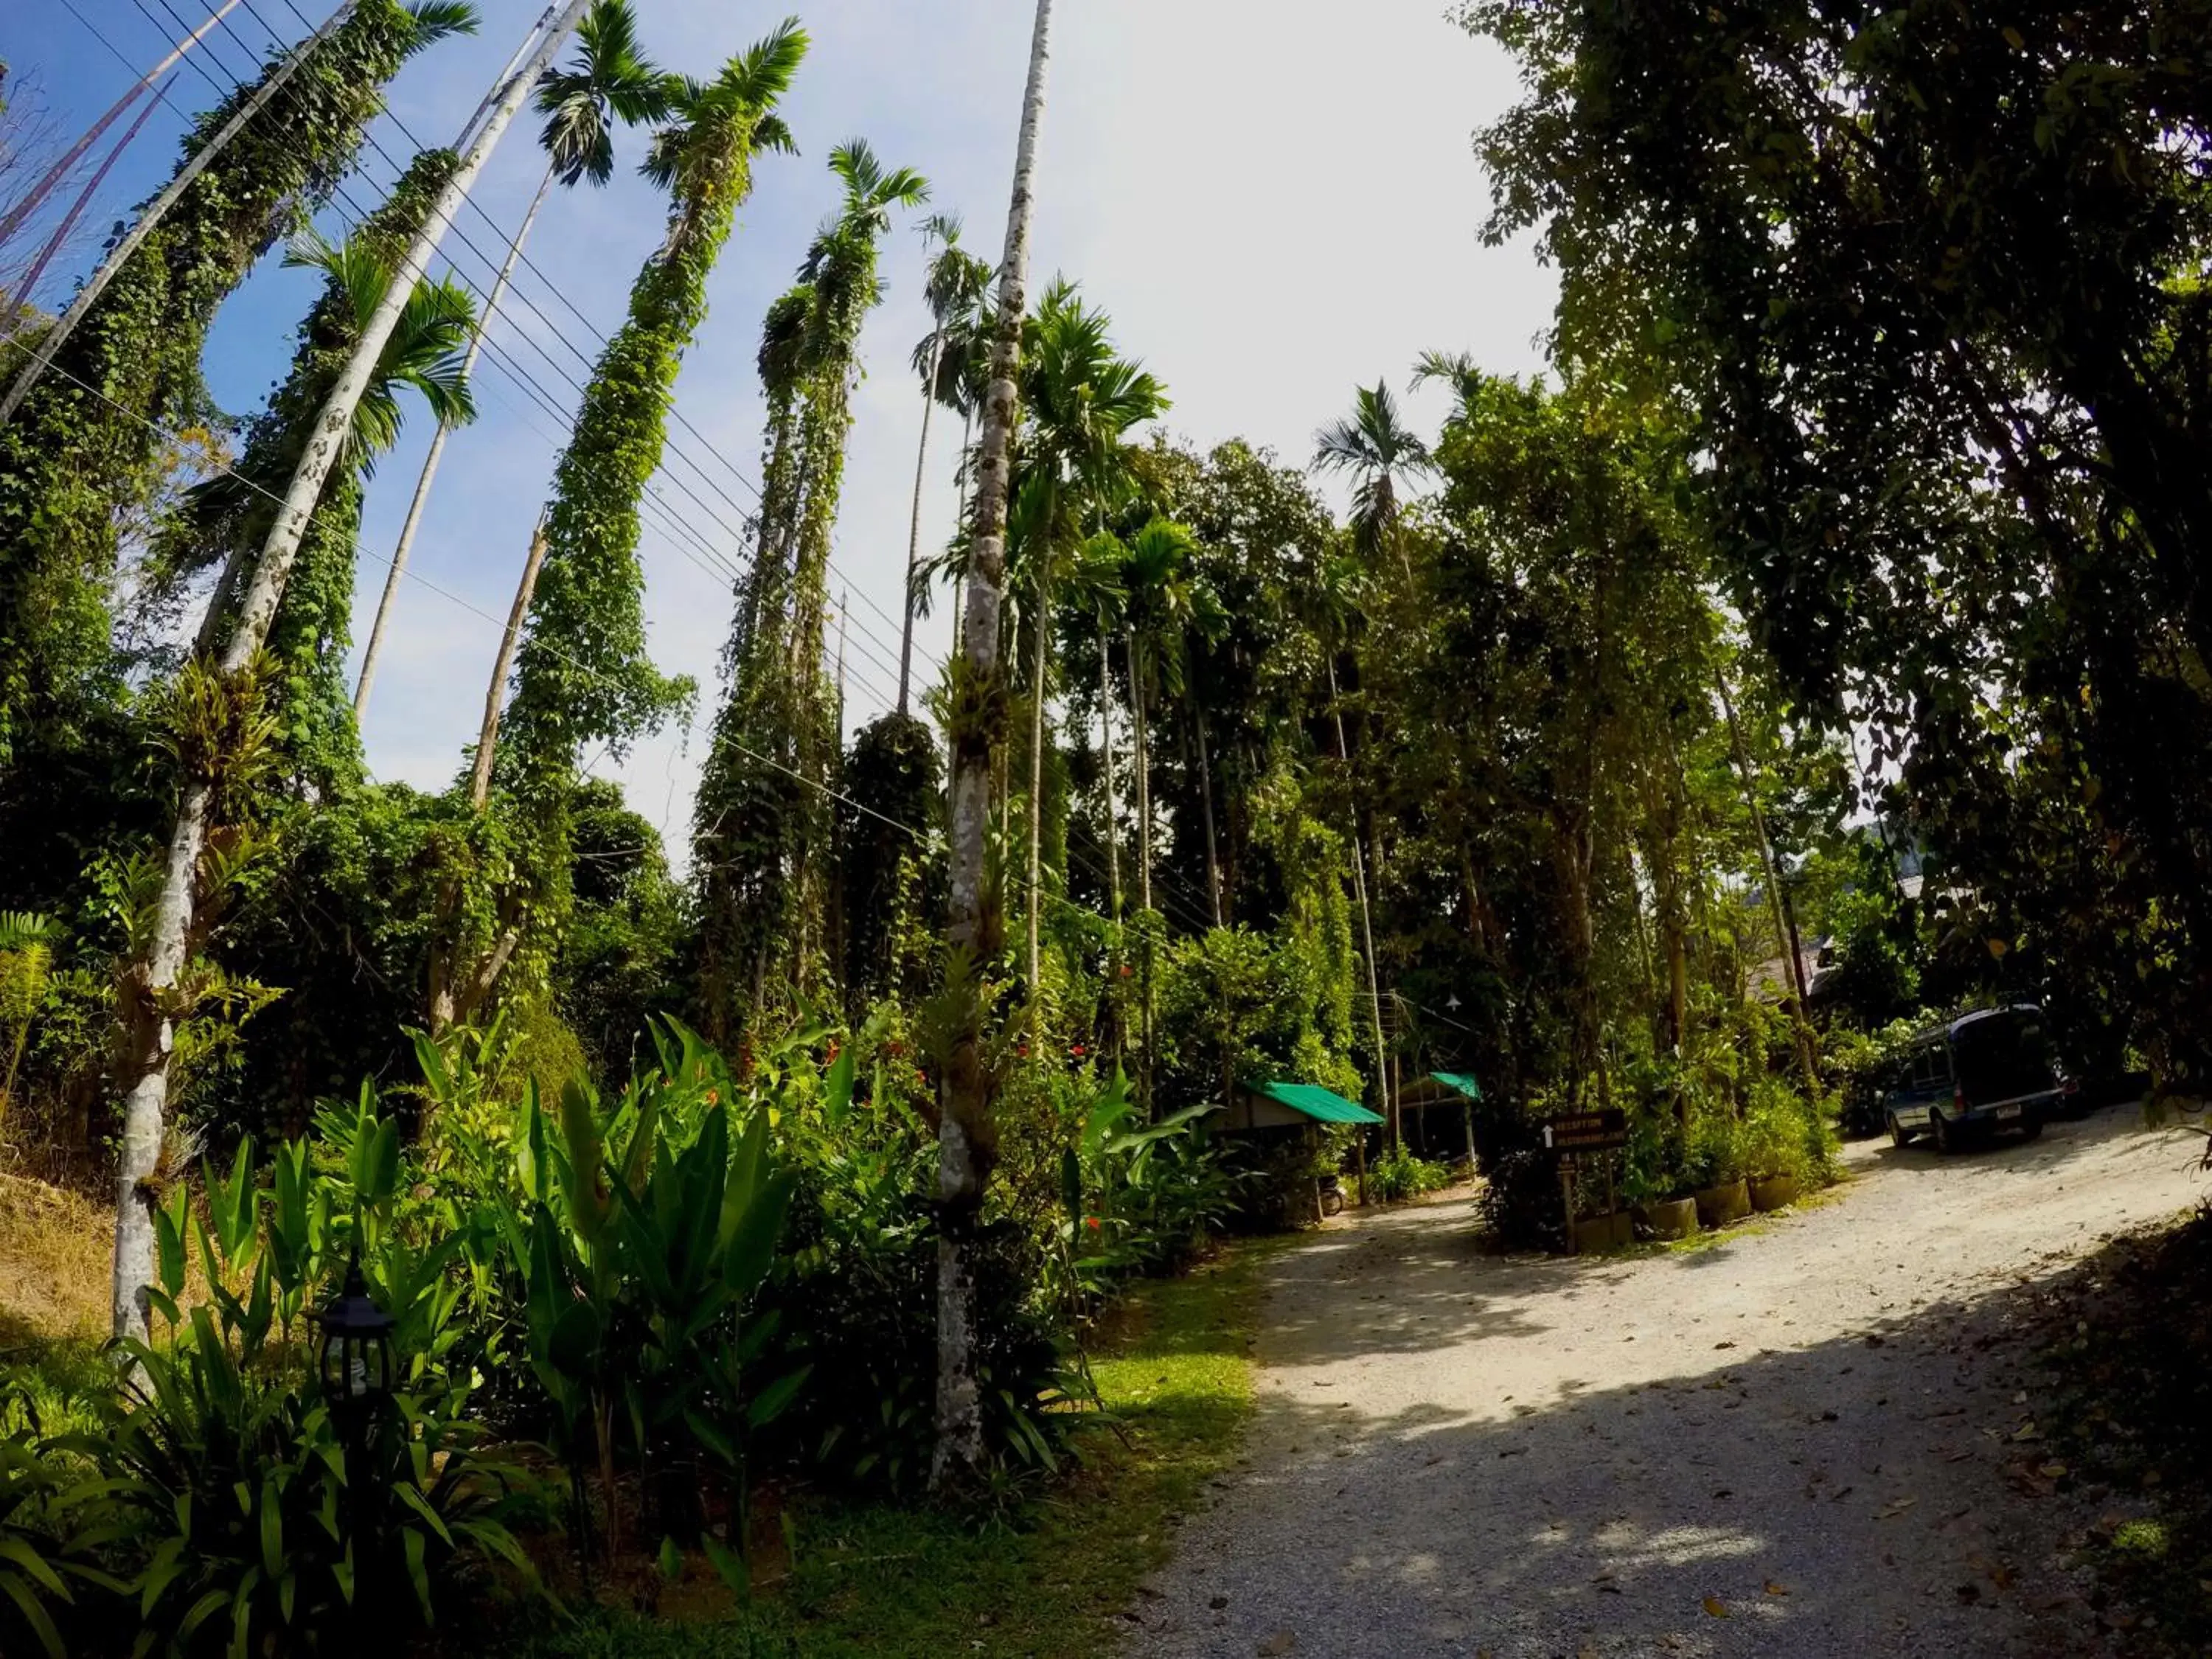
{"x": 1810, "y": 1439}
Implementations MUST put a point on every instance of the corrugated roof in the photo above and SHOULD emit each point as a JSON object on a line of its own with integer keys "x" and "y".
{"x": 1322, "y": 1105}
{"x": 1459, "y": 1080}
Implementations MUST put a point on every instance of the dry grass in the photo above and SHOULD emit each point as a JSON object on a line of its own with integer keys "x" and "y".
{"x": 56, "y": 1251}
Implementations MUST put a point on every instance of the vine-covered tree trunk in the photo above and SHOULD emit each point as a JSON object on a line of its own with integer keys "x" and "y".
{"x": 150, "y": 980}
{"x": 967, "y": 1137}
{"x": 83, "y": 438}
{"x": 150, "y": 217}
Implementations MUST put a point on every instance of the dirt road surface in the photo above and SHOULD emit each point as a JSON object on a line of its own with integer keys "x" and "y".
{"x": 1814, "y": 1438}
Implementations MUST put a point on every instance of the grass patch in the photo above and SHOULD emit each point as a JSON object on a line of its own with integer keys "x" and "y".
{"x": 56, "y": 1250}
{"x": 1049, "y": 1577}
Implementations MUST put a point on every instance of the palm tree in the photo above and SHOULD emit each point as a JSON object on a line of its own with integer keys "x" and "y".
{"x": 1168, "y": 602}
{"x": 581, "y": 672}
{"x": 1332, "y": 601}
{"x": 1457, "y": 370}
{"x": 232, "y": 512}
{"x": 1082, "y": 401}
{"x": 1383, "y": 457}
{"x": 146, "y": 982}
{"x": 965, "y": 1133}
{"x": 955, "y": 289}
{"x": 608, "y": 81}
{"x": 761, "y": 824}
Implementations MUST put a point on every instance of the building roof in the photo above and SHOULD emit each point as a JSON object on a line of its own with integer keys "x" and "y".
{"x": 1461, "y": 1081}
{"x": 1322, "y": 1105}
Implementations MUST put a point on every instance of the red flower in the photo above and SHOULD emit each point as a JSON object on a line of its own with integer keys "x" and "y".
{"x": 1093, "y": 1222}
{"x": 1075, "y": 1052}
{"x": 831, "y": 1058}
{"x": 1023, "y": 1051}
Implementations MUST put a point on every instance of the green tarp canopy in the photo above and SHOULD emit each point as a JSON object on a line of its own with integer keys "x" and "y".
{"x": 1459, "y": 1081}
{"x": 1318, "y": 1104}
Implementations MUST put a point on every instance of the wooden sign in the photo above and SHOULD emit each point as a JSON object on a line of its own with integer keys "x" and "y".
{"x": 1587, "y": 1132}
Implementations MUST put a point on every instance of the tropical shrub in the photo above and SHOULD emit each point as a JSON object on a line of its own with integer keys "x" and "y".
{"x": 1398, "y": 1174}
{"x": 632, "y": 1239}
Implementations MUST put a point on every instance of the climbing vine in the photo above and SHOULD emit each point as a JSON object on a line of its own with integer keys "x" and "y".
{"x": 85, "y": 444}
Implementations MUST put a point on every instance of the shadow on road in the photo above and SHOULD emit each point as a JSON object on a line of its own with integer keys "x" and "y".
{"x": 1863, "y": 1496}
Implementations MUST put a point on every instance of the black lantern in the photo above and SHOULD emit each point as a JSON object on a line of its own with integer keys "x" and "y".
{"x": 352, "y": 1357}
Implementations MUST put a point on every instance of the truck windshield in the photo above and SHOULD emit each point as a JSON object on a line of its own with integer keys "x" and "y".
{"x": 2003, "y": 1057}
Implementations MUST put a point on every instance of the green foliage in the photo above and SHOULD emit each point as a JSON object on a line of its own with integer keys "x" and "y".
{"x": 762, "y": 828}
{"x": 1948, "y": 486}
{"x": 1398, "y": 1174}
{"x": 219, "y": 1497}
{"x": 633, "y": 1238}
{"x": 80, "y": 450}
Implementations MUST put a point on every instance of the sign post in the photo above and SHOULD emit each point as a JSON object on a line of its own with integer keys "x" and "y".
{"x": 1601, "y": 1132}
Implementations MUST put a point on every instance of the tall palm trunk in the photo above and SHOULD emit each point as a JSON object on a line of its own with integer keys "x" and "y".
{"x": 502, "y": 667}
{"x": 50, "y": 181}
{"x": 1144, "y": 760}
{"x": 405, "y": 545}
{"x": 1036, "y": 770}
{"x": 1366, "y": 916}
{"x": 28, "y": 284}
{"x": 1206, "y": 805}
{"x": 158, "y": 209}
{"x": 1113, "y": 801}
{"x": 154, "y": 975}
{"x": 960, "y": 520}
{"x": 914, "y": 530}
{"x": 967, "y": 1139}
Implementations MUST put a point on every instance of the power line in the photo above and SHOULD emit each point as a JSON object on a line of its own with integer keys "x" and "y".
{"x": 871, "y": 642}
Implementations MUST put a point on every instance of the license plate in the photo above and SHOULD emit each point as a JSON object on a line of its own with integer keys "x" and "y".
{"x": 2008, "y": 1111}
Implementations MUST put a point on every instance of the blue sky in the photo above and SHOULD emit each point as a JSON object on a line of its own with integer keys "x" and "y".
{"x": 1275, "y": 202}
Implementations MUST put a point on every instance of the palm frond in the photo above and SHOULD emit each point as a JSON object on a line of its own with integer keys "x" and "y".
{"x": 433, "y": 19}
{"x": 764, "y": 72}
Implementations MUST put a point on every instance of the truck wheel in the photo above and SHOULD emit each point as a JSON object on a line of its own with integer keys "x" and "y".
{"x": 1899, "y": 1134}
{"x": 1948, "y": 1134}
{"x": 2031, "y": 1128}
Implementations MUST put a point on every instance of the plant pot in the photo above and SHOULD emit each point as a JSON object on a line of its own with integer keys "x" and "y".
{"x": 1673, "y": 1217}
{"x": 1775, "y": 1192}
{"x": 1595, "y": 1234}
{"x": 1719, "y": 1205}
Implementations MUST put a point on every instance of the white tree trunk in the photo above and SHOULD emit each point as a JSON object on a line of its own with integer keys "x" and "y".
{"x": 965, "y": 1134}
{"x": 1144, "y": 759}
{"x": 1106, "y": 749}
{"x": 496, "y": 693}
{"x": 913, "y": 530}
{"x": 150, "y": 980}
{"x": 1366, "y": 918}
{"x": 406, "y": 543}
{"x": 1206, "y": 804}
{"x": 1036, "y": 774}
{"x": 158, "y": 209}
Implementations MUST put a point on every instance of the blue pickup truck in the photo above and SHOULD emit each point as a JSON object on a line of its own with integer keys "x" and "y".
{"x": 1983, "y": 1072}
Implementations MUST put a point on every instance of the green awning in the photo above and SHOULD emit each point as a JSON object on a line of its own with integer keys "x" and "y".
{"x": 1461, "y": 1081}
{"x": 1322, "y": 1105}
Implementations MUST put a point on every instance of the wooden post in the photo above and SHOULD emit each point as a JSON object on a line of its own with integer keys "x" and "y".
{"x": 1359, "y": 1146}
{"x": 1567, "y": 1197}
